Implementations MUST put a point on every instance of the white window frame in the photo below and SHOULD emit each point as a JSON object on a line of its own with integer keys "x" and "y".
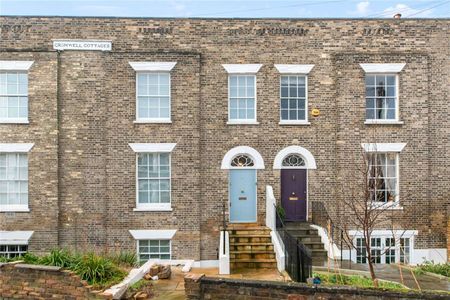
{"x": 384, "y": 69}
{"x": 21, "y": 67}
{"x": 242, "y": 121}
{"x": 396, "y": 203}
{"x": 383, "y": 235}
{"x": 385, "y": 148}
{"x": 296, "y": 122}
{"x": 153, "y": 234}
{"x": 161, "y": 259}
{"x": 155, "y": 68}
{"x": 295, "y": 70}
{"x": 396, "y": 120}
{"x": 19, "y": 148}
{"x": 152, "y": 148}
{"x": 8, "y": 252}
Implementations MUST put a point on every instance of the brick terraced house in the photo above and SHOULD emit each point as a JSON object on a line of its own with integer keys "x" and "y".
{"x": 134, "y": 134}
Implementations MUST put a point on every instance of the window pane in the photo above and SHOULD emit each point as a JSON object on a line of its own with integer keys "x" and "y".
{"x": 390, "y": 80}
{"x": 164, "y": 79}
{"x": 301, "y": 115}
{"x": 370, "y": 80}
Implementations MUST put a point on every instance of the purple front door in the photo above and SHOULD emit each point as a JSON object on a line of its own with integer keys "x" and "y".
{"x": 293, "y": 193}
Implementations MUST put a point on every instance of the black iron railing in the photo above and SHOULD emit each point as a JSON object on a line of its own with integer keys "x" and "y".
{"x": 224, "y": 229}
{"x": 321, "y": 217}
{"x": 298, "y": 258}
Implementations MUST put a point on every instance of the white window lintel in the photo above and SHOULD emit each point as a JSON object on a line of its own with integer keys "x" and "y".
{"x": 15, "y": 65}
{"x": 153, "y": 234}
{"x": 15, "y": 237}
{"x": 383, "y": 68}
{"x": 16, "y": 147}
{"x": 383, "y": 147}
{"x": 386, "y": 233}
{"x": 294, "y": 69}
{"x": 242, "y": 68}
{"x": 152, "y": 147}
{"x": 152, "y": 66}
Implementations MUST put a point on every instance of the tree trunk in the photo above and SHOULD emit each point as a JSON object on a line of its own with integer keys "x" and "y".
{"x": 372, "y": 274}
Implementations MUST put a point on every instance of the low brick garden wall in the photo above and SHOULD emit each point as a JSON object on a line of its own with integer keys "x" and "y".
{"x": 22, "y": 281}
{"x": 200, "y": 287}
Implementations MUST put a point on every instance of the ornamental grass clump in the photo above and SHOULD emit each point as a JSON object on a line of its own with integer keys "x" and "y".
{"x": 431, "y": 267}
{"x": 124, "y": 258}
{"x": 97, "y": 270}
{"x": 59, "y": 258}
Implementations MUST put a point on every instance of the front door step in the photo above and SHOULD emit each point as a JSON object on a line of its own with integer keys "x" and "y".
{"x": 251, "y": 247}
{"x": 309, "y": 237}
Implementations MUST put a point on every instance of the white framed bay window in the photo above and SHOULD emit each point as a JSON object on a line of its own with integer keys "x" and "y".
{"x": 382, "y": 93}
{"x": 14, "y": 91}
{"x": 153, "y": 91}
{"x": 294, "y": 94}
{"x": 14, "y": 177}
{"x": 242, "y": 105}
{"x": 153, "y": 176}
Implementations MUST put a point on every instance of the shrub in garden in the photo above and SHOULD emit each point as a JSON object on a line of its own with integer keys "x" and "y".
{"x": 96, "y": 269}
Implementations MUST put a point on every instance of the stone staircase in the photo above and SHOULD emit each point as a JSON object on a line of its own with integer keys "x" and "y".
{"x": 309, "y": 237}
{"x": 251, "y": 247}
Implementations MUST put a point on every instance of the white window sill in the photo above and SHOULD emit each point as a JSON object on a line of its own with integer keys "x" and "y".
{"x": 157, "y": 207}
{"x": 242, "y": 122}
{"x": 14, "y": 121}
{"x": 383, "y": 122}
{"x": 285, "y": 122}
{"x": 157, "y": 121}
{"x": 14, "y": 208}
{"x": 387, "y": 205}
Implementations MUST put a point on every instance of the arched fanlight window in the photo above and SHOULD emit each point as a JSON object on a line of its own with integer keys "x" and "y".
{"x": 293, "y": 160}
{"x": 242, "y": 160}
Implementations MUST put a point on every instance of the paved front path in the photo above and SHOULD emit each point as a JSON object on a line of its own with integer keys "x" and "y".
{"x": 173, "y": 288}
{"x": 392, "y": 273}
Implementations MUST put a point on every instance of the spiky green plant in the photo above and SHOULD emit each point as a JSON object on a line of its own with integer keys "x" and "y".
{"x": 59, "y": 258}
{"x": 96, "y": 269}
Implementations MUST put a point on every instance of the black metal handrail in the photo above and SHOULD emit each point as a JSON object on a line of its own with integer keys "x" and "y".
{"x": 321, "y": 217}
{"x": 224, "y": 229}
{"x": 298, "y": 258}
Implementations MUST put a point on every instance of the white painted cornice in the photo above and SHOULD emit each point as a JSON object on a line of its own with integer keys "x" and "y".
{"x": 382, "y": 68}
{"x": 383, "y": 147}
{"x": 242, "y": 68}
{"x": 152, "y": 66}
{"x": 153, "y": 234}
{"x": 294, "y": 69}
{"x": 15, "y": 65}
{"x": 152, "y": 147}
{"x": 15, "y": 237}
{"x": 17, "y": 147}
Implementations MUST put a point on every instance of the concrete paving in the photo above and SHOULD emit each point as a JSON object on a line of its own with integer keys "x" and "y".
{"x": 173, "y": 288}
{"x": 391, "y": 272}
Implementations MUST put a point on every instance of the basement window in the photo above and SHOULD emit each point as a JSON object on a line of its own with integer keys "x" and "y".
{"x": 153, "y": 249}
{"x": 386, "y": 246}
{"x": 11, "y": 251}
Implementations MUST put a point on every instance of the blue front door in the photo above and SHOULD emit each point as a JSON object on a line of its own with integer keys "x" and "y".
{"x": 242, "y": 196}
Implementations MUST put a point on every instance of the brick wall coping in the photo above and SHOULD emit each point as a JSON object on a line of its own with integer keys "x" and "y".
{"x": 38, "y": 267}
{"x": 305, "y": 289}
{"x": 20, "y": 265}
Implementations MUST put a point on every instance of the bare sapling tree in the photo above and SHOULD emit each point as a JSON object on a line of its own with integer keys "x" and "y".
{"x": 367, "y": 196}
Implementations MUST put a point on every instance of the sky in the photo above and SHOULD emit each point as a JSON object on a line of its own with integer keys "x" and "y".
{"x": 231, "y": 8}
